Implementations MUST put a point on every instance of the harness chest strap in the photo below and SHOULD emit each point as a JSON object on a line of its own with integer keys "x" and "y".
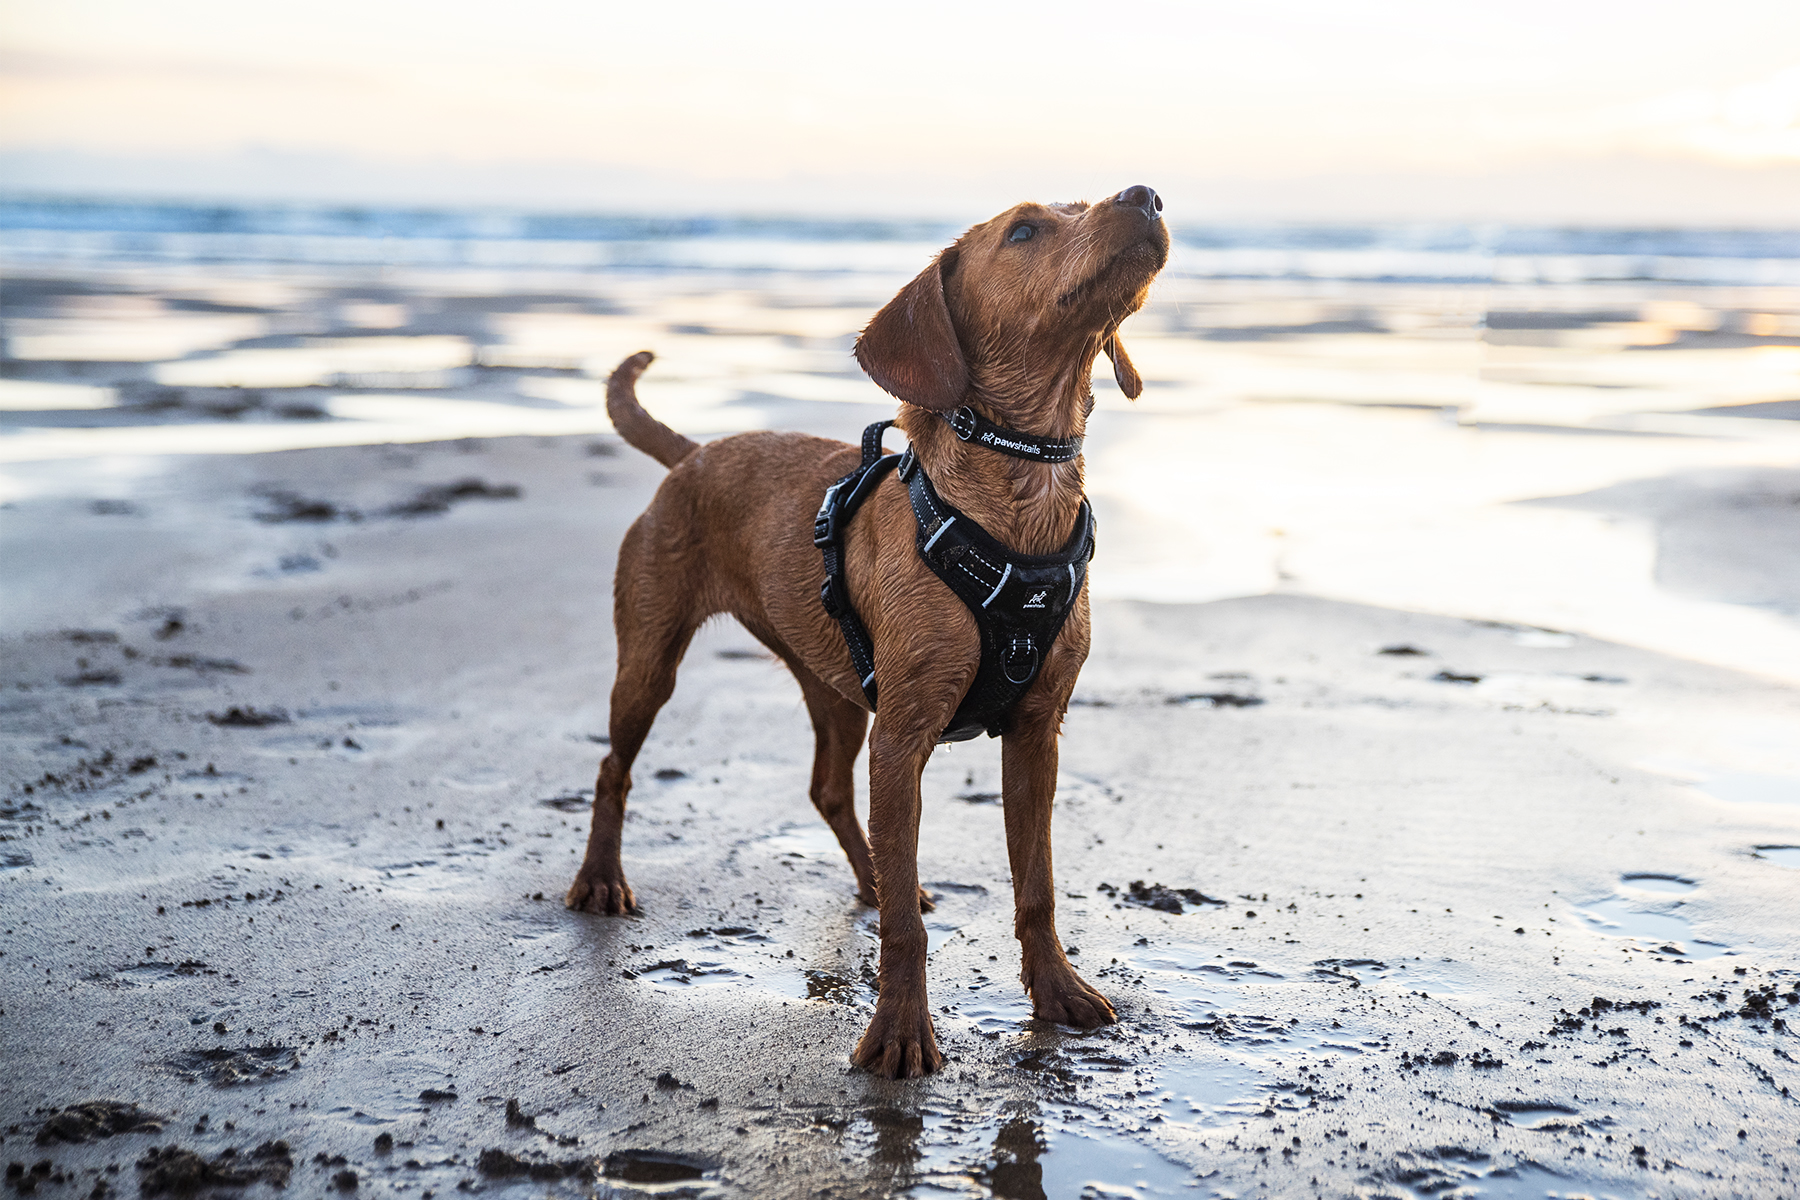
{"x": 842, "y": 499}
{"x": 1020, "y": 602}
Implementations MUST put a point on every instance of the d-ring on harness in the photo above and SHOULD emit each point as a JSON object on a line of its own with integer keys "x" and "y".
{"x": 1019, "y": 601}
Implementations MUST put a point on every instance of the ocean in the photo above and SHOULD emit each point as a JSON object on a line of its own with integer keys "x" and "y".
{"x": 35, "y": 232}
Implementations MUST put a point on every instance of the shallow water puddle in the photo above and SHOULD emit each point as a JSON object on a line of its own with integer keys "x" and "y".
{"x": 1733, "y": 787}
{"x": 1557, "y": 689}
{"x": 1742, "y": 787}
{"x": 1537, "y": 1114}
{"x": 532, "y": 928}
{"x": 805, "y": 839}
{"x": 347, "y": 732}
{"x": 731, "y": 956}
{"x": 1447, "y": 1172}
{"x": 940, "y": 926}
{"x": 1530, "y": 1182}
{"x": 479, "y": 779}
{"x": 1640, "y": 912}
{"x": 681, "y": 974}
{"x": 1211, "y": 1092}
{"x": 1108, "y": 1167}
{"x": 1443, "y": 978}
{"x": 1543, "y": 639}
{"x": 1025, "y": 1156}
{"x": 1533, "y": 1183}
{"x": 431, "y": 361}
{"x": 431, "y": 875}
{"x": 1182, "y": 975}
{"x": 150, "y": 973}
{"x": 995, "y": 1011}
{"x": 1669, "y": 885}
{"x": 1235, "y": 1076}
{"x": 389, "y": 1093}
{"x": 1619, "y": 916}
{"x": 936, "y": 934}
{"x": 833, "y": 988}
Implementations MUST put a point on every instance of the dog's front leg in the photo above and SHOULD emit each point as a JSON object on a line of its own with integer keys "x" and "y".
{"x": 900, "y": 1041}
{"x": 1028, "y": 759}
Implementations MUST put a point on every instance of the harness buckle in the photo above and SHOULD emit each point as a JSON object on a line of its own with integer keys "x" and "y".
{"x": 825, "y": 523}
{"x": 962, "y": 421}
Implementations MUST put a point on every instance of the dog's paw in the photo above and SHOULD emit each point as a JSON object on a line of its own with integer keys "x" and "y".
{"x": 899, "y": 1043}
{"x": 595, "y": 893}
{"x": 1068, "y": 1000}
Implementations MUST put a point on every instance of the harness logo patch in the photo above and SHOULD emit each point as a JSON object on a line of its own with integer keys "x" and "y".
{"x": 1037, "y": 599}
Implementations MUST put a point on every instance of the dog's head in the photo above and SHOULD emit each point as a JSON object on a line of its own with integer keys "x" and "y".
{"x": 1035, "y": 293}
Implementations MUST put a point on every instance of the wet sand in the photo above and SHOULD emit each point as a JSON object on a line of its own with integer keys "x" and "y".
{"x": 1392, "y": 902}
{"x": 1389, "y": 901}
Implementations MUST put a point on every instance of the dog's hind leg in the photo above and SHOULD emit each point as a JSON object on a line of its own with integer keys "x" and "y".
{"x": 838, "y": 729}
{"x": 654, "y": 629}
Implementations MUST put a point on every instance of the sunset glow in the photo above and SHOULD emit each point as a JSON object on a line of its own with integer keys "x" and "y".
{"x": 796, "y": 103}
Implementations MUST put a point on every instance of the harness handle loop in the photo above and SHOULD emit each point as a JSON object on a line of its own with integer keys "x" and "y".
{"x": 1021, "y": 650}
{"x": 871, "y": 441}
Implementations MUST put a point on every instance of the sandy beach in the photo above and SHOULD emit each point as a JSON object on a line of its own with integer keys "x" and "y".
{"x": 1430, "y": 805}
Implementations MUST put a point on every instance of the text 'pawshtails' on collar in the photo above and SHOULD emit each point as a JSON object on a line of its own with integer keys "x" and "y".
{"x": 1019, "y": 601}
{"x": 971, "y": 426}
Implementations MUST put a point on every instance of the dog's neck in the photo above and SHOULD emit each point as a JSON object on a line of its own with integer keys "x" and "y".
{"x": 1029, "y": 506}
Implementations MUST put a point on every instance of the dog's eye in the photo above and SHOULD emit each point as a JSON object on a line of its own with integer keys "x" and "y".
{"x": 1021, "y": 233}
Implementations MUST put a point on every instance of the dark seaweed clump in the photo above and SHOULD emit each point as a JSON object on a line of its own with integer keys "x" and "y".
{"x": 173, "y": 1169}
{"x": 92, "y": 1120}
{"x": 248, "y": 718}
{"x": 1162, "y": 899}
{"x": 434, "y": 500}
{"x": 498, "y": 1164}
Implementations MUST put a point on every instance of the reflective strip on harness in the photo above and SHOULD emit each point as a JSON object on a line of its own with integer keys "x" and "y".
{"x": 1004, "y": 576}
{"x": 942, "y": 525}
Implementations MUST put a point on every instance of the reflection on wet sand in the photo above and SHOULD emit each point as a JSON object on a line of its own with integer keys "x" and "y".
{"x": 1445, "y": 447}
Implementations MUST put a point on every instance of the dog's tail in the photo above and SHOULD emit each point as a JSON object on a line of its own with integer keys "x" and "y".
{"x": 634, "y": 424}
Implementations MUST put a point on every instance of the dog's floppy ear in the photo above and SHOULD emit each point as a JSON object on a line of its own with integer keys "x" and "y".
{"x": 910, "y": 346}
{"x": 1124, "y": 374}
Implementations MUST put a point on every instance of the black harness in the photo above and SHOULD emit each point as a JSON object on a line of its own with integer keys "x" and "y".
{"x": 1019, "y": 601}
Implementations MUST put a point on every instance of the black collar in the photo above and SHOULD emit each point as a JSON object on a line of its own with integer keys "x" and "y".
{"x": 971, "y": 426}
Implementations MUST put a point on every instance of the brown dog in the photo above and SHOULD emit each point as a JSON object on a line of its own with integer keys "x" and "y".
{"x": 1008, "y": 321}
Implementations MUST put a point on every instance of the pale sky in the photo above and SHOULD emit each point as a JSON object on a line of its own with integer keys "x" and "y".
{"x": 809, "y": 105}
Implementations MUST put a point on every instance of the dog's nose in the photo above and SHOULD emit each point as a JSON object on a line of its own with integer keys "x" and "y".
{"x": 1142, "y": 198}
